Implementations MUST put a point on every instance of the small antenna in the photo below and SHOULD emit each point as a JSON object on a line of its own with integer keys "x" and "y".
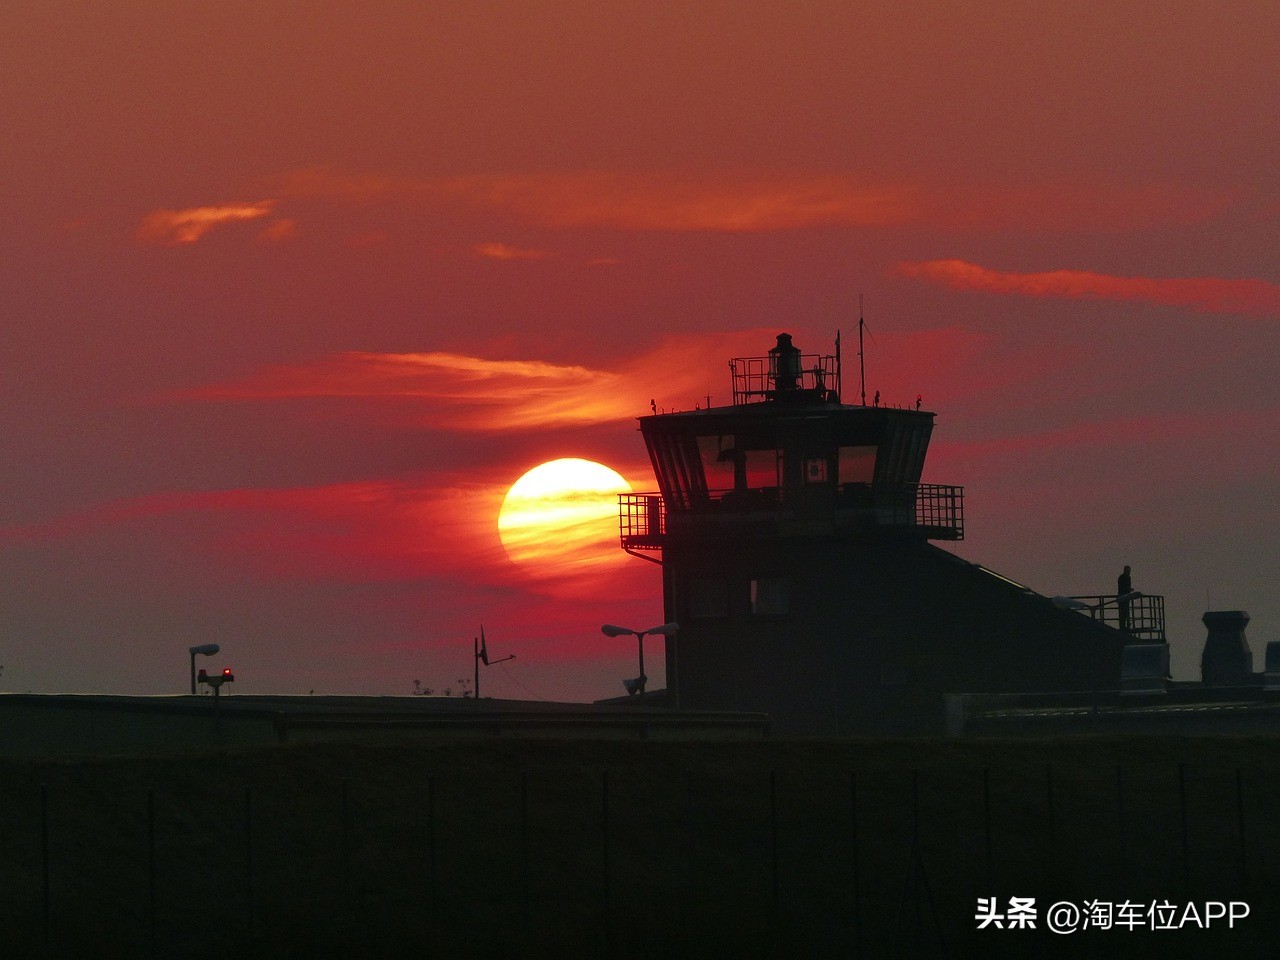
{"x": 481, "y": 650}
{"x": 862, "y": 359}
{"x": 839, "y": 371}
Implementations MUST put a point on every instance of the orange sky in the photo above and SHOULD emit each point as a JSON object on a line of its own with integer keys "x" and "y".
{"x": 292, "y": 295}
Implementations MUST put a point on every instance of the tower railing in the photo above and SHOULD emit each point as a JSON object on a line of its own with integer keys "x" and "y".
{"x": 936, "y": 510}
{"x": 642, "y": 521}
{"x": 1141, "y": 616}
{"x": 755, "y": 379}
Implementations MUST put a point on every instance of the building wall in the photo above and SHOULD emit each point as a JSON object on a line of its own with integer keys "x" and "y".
{"x": 849, "y": 634}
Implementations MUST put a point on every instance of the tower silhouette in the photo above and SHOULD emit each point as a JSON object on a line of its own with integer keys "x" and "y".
{"x": 794, "y": 535}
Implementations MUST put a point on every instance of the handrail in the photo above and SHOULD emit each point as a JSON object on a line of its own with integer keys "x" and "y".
{"x": 1140, "y": 615}
{"x": 937, "y": 510}
{"x": 754, "y": 378}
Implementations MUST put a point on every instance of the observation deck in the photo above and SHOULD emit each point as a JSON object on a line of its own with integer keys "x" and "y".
{"x": 1141, "y": 616}
{"x": 934, "y": 511}
{"x": 788, "y": 459}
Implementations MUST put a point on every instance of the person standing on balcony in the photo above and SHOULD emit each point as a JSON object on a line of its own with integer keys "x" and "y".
{"x": 1124, "y": 587}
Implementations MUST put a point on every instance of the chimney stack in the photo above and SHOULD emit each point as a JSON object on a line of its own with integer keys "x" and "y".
{"x": 1227, "y": 660}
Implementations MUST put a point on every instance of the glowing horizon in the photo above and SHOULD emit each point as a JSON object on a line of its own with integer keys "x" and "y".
{"x": 283, "y": 329}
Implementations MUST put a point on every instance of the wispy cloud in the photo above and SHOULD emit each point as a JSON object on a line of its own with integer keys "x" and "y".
{"x": 1208, "y": 294}
{"x": 369, "y": 530}
{"x": 730, "y": 205}
{"x": 746, "y": 202}
{"x": 462, "y": 392}
{"x": 279, "y": 230}
{"x": 468, "y": 392}
{"x": 177, "y": 227}
{"x": 504, "y": 251}
{"x": 659, "y": 201}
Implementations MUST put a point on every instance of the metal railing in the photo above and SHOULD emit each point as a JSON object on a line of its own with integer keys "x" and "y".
{"x": 1140, "y": 616}
{"x": 940, "y": 506}
{"x": 754, "y": 378}
{"x": 641, "y": 521}
{"x": 937, "y": 510}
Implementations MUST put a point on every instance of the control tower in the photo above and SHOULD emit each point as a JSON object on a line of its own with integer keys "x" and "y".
{"x": 794, "y": 535}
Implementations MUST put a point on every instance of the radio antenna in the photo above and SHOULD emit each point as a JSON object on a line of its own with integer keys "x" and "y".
{"x": 862, "y": 360}
{"x": 839, "y": 373}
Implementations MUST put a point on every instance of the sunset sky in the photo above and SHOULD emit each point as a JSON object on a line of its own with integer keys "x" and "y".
{"x": 293, "y": 293}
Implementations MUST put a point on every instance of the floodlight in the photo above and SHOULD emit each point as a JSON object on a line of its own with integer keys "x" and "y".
{"x": 204, "y": 650}
{"x": 613, "y": 630}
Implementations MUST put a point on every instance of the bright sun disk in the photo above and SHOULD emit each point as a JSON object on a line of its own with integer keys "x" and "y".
{"x": 561, "y": 517}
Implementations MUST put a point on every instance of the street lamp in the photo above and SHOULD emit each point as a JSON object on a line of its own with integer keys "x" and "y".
{"x": 665, "y": 629}
{"x": 205, "y": 650}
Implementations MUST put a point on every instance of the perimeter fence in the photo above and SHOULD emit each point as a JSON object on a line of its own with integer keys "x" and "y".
{"x": 638, "y": 861}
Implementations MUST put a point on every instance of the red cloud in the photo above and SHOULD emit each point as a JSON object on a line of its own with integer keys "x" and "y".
{"x": 356, "y": 532}
{"x": 463, "y": 392}
{"x": 176, "y": 227}
{"x": 736, "y": 201}
{"x": 729, "y": 203}
{"x": 503, "y": 251}
{"x": 1208, "y": 294}
{"x": 478, "y": 393}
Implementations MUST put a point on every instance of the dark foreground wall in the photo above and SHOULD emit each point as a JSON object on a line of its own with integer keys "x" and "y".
{"x": 80, "y": 725}
{"x": 506, "y": 848}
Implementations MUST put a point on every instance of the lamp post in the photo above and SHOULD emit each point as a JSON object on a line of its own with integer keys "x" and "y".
{"x": 205, "y": 650}
{"x": 665, "y": 629}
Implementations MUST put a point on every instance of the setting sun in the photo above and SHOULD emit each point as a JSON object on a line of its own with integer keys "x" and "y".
{"x": 560, "y": 518}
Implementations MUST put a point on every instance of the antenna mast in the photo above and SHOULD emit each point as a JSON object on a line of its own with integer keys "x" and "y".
{"x": 839, "y": 373}
{"x": 862, "y": 361}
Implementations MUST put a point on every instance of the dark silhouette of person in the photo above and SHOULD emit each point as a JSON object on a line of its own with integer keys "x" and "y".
{"x": 919, "y": 400}
{"x": 876, "y": 401}
{"x": 1124, "y": 586}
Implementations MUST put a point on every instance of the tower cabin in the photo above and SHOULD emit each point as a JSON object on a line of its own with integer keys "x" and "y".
{"x": 794, "y": 535}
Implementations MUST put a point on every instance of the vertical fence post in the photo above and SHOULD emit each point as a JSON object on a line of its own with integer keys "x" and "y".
{"x": 248, "y": 857}
{"x": 1244, "y": 857}
{"x": 773, "y": 836}
{"x": 917, "y": 862}
{"x": 1050, "y": 813}
{"x": 693, "y": 889}
{"x": 524, "y": 852}
{"x": 346, "y": 844}
{"x": 853, "y": 860}
{"x": 986, "y": 826}
{"x": 1120, "y": 825}
{"x": 44, "y": 861}
{"x": 432, "y": 908}
{"x": 1186, "y": 844}
{"x": 606, "y": 893}
{"x": 151, "y": 869}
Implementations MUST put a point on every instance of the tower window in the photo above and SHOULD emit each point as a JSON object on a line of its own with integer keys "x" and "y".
{"x": 770, "y": 597}
{"x": 815, "y": 470}
{"x": 857, "y": 465}
{"x": 718, "y": 456}
{"x": 763, "y": 469}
